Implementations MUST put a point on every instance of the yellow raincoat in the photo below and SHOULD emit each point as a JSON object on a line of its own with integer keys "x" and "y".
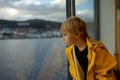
{"x": 100, "y": 62}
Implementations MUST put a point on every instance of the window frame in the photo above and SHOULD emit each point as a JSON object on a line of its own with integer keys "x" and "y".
{"x": 71, "y": 11}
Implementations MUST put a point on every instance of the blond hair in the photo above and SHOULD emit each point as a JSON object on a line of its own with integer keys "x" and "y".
{"x": 75, "y": 25}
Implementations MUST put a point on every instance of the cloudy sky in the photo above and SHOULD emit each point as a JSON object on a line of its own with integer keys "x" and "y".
{"x": 43, "y": 9}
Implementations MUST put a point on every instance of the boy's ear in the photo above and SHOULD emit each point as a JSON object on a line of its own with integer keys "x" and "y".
{"x": 77, "y": 35}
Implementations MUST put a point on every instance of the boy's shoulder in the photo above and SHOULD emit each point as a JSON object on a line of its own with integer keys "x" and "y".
{"x": 93, "y": 41}
{"x": 97, "y": 43}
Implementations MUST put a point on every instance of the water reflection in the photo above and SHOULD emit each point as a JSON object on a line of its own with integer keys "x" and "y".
{"x": 34, "y": 59}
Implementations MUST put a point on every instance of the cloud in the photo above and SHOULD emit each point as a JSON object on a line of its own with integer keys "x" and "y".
{"x": 86, "y": 14}
{"x": 80, "y": 2}
{"x": 41, "y": 9}
{"x": 27, "y": 9}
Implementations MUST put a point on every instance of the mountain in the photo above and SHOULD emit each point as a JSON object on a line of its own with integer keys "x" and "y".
{"x": 34, "y": 23}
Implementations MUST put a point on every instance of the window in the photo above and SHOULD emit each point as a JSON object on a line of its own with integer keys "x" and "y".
{"x": 31, "y": 45}
{"x": 31, "y": 18}
{"x": 88, "y": 11}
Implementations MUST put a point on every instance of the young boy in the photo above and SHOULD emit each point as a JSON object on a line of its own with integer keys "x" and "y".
{"x": 88, "y": 59}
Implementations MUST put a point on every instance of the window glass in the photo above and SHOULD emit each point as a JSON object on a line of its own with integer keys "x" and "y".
{"x": 31, "y": 47}
{"x": 31, "y": 18}
{"x": 85, "y": 11}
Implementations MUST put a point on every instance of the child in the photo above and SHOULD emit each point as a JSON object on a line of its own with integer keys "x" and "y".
{"x": 88, "y": 59}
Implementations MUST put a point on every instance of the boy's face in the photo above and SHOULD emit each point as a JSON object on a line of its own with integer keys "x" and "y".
{"x": 68, "y": 38}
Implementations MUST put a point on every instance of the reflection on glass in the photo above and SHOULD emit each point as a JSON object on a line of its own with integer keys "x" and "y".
{"x": 85, "y": 10}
